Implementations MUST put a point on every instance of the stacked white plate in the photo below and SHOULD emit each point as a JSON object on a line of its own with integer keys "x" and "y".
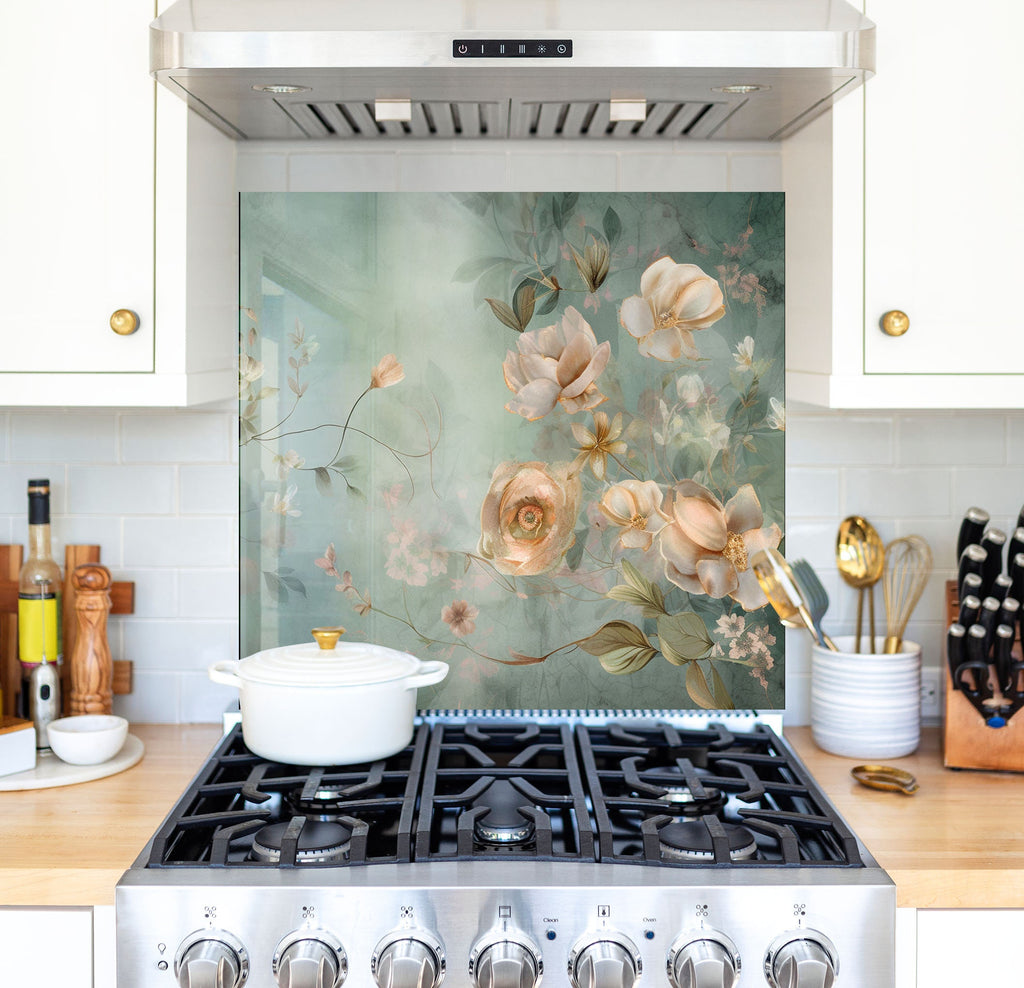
{"x": 866, "y": 705}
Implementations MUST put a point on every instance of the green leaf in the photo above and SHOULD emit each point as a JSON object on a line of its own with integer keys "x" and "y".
{"x": 344, "y": 463}
{"x": 276, "y": 587}
{"x": 621, "y": 647}
{"x": 472, "y": 269}
{"x": 612, "y": 225}
{"x": 323, "y": 481}
{"x": 720, "y": 691}
{"x": 575, "y": 553}
{"x": 697, "y": 687}
{"x": 639, "y": 591}
{"x": 294, "y": 583}
{"x": 504, "y": 314}
{"x": 523, "y": 301}
{"x": 548, "y": 300}
{"x": 683, "y": 638}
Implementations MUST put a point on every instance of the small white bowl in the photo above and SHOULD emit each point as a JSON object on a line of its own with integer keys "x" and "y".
{"x": 88, "y": 739}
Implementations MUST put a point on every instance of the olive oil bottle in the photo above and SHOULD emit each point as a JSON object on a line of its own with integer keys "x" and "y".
{"x": 39, "y": 593}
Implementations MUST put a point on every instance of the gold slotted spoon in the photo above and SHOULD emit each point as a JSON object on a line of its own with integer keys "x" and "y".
{"x": 860, "y": 559}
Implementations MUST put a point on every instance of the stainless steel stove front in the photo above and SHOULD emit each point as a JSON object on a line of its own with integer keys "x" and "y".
{"x": 486, "y": 924}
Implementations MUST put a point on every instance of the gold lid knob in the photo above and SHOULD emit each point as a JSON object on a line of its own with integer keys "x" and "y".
{"x": 895, "y": 323}
{"x": 327, "y": 638}
{"x": 124, "y": 322}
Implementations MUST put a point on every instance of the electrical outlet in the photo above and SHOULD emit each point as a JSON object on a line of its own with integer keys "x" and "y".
{"x": 931, "y": 694}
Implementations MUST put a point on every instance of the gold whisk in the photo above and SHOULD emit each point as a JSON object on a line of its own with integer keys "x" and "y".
{"x": 908, "y": 564}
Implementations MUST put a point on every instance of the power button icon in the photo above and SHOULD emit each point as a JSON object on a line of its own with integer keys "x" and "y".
{"x": 463, "y": 49}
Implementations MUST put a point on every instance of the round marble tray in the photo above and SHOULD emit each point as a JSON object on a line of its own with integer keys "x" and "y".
{"x": 50, "y": 771}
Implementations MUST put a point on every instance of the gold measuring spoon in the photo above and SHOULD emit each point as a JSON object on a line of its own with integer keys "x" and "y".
{"x": 885, "y": 777}
{"x": 776, "y": 581}
{"x": 860, "y": 559}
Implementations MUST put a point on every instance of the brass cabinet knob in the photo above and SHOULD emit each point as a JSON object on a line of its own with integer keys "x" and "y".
{"x": 124, "y": 322}
{"x": 895, "y": 323}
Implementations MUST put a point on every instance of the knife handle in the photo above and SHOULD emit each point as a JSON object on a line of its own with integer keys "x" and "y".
{"x": 1017, "y": 576}
{"x": 956, "y": 653}
{"x": 970, "y": 608}
{"x": 971, "y": 528}
{"x": 977, "y": 662}
{"x": 988, "y": 618}
{"x": 1015, "y": 546}
{"x": 1005, "y": 635}
{"x": 993, "y": 542}
{"x": 972, "y": 560}
{"x": 1009, "y": 612}
{"x": 1000, "y": 586}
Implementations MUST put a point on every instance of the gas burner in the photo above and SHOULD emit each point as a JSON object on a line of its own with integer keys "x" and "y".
{"x": 682, "y": 801}
{"x": 691, "y": 841}
{"x": 318, "y": 843}
{"x": 326, "y": 803}
{"x": 502, "y": 824}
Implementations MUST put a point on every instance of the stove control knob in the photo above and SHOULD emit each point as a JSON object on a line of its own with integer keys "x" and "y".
{"x": 801, "y": 959}
{"x": 606, "y": 960}
{"x": 707, "y": 960}
{"x": 505, "y": 961}
{"x": 408, "y": 959}
{"x": 211, "y": 959}
{"x": 310, "y": 959}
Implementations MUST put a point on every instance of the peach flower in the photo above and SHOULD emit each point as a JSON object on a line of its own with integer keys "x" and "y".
{"x": 556, "y": 364}
{"x": 527, "y": 517}
{"x": 634, "y": 506}
{"x": 674, "y": 301}
{"x": 707, "y": 545}
{"x": 387, "y": 372}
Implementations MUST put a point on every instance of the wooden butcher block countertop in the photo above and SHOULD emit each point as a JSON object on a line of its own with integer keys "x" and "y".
{"x": 957, "y": 843}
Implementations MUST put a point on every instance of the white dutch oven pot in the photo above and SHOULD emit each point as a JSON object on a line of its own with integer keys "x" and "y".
{"x": 327, "y": 703}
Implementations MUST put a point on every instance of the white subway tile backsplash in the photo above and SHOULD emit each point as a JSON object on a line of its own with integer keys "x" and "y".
{"x": 261, "y": 172}
{"x": 156, "y": 592}
{"x": 812, "y": 492}
{"x": 101, "y": 530}
{"x": 999, "y": 490}
{"x": 444, "y": 172}
{"x": 897, "y": 493}
{"x": 579, "y": 171}
{"x": 755, "y": 172}
{"x": 203, "y": 701}
{"x": 208, "y": 593}
{"x": 175, "y": 437}
{"x": 179, "y": 542}
{"x": 342, "y": 172}
{"x": 155, "y": 698}
{"x": 114, "y": 489}
{"x": 179, "y": 646}
{"x": 964, "y": 439}
{"x": 74, "y": 437}
{"x": 14, "y": 478}
{"x": 812, "y": 439}
{"x": 209, "y": 489}
{"x": 680, "y": 172}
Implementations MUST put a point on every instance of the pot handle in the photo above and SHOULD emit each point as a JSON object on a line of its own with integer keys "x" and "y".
{"x": 224, "y": 672}
{"x": 429, "y": 673}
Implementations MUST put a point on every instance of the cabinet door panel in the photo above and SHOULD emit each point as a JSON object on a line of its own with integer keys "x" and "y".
{"x": 76, "y": 194}
{"x": 944, "y": 215}
{"x": 43, "y": 946}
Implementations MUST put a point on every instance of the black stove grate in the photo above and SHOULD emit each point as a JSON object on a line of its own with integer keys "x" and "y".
{"x": 636, "y": 792}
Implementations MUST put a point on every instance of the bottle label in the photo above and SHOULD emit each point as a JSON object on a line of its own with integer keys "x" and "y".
{"x": 39, "y": 629}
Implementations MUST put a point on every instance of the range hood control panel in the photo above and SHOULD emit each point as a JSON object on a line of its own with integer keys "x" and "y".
{"x": 514, "y": 48}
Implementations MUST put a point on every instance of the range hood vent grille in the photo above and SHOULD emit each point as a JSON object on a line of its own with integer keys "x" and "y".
{"x": 355, "y": 120}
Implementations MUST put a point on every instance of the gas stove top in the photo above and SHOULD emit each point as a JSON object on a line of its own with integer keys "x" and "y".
{"x": 491, "y": 851}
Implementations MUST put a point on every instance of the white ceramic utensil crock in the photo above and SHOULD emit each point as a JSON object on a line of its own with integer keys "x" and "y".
{"x": 314, "y": 705}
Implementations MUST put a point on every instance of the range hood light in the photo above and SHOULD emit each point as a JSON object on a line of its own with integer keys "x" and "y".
{"x": 741, "y": 89}
{"x": 280, "y": 90}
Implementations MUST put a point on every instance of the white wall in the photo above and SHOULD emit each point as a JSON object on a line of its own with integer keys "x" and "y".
{"x": 158, "y": 490}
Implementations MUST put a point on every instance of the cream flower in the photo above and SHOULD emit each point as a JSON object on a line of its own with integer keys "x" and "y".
{"x": 707, "y": 546}
{"x": 634, "y": 505}
{"x": 744, "y": 354}
{"x": 286, "y": 462}
{"x": 283, "y": 503}
{"x": 387, "y": 372}
{"x": 556, "y": 364}
{"x": 776, "y": 417}
{"x": 674, "y": 301}
{"x": 461, "y": 617}
{"x": 527, "y": 517}
{"x": 595, "y": 447}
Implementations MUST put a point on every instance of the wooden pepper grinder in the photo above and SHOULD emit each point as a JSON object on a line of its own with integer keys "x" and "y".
{"x": 92, "y": 670}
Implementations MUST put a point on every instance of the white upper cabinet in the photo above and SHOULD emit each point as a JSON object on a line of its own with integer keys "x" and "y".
{"x": 903, "y": 200}
{"x": 98, "y": 219}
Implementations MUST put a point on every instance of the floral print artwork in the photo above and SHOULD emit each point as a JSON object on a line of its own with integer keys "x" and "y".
{"x": 539, "y": 436}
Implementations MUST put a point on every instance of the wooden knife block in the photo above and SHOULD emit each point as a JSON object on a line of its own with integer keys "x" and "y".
{"x": 122, "y": 596}
{"x": 967, "y": 741}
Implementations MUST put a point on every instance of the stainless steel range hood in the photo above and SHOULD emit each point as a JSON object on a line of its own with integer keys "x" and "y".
{"x": 494, "y": 69}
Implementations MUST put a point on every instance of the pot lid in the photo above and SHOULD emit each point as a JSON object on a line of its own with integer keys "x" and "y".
{"x": 344, "y": 664}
